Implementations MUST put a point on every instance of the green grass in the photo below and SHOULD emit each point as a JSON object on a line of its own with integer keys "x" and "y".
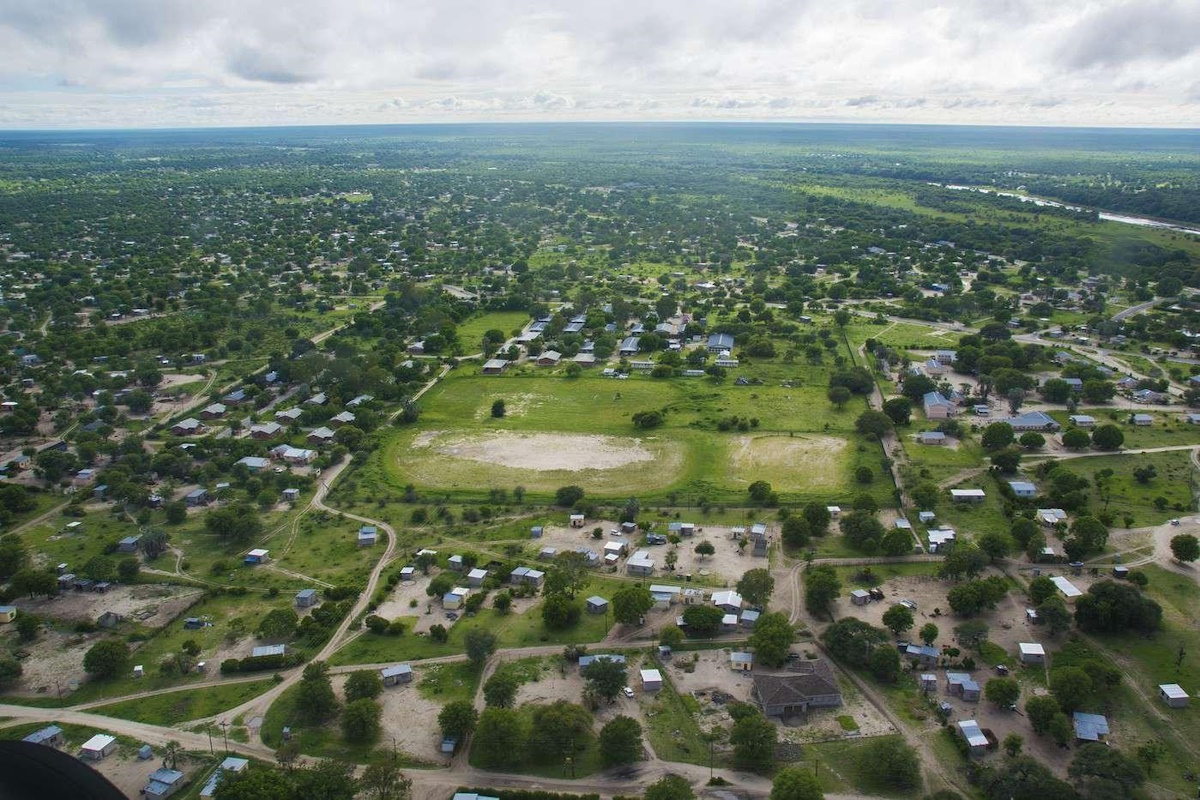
{"x": 673, "y": 729}
{"x": 993, "y": 654}
{"x": 847, "y": 765}
{"x": 1173, "y": 482}
{"x": 847, "y": 722}
{"x": 471, "y": 331}
{"x": 586, "y": 762}
{"x": 189, "y": 704}
{"x": 881, "y": 573}
{"x": 1168, "y": 430}
{"x": 449, "y": 682}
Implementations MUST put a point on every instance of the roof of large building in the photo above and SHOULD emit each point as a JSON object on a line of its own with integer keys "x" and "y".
{"x": 810, "y": 679}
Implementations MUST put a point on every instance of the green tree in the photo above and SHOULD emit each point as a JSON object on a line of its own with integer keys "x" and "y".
{"x": 873, "y": 423}
{"x": 560, "y": 612}
{"x": 995, "y": 544}
{"x": 360, "y": 721}
{"x": 457, "y": 718}
{"x": 568, "y": 496}
{"x": 10, "y": 672}
{"x": 1013, "y": 744}
{"x": 926, "y": 495}
{"x": 1071, "y": 687}
{"x": 756, "y": 586}
{"x": 796, "y": 783}
{"x": 670, "y": 787}
{"x": 1076, "y": 439}
{"x": 818, "y": 517}
{"x": 558, "y": 730}
{"x": 1150, "y": 753}
{"x": 997, "y": 436}
{"x": 498, "y": 408}
{"x": 363, "y": 683}
{"x": 892, "y": 763}
{"x": 315, "y": 699}
{"x": 1053, "y": 612}
{"x": 34, "y": 583}
{"x": 1061, "y": 730}
{"x": 884, "y": 664}
{"x": 621, "y": 741}
{"x": 385, "y": 782}
{"x": 839, "y": 396}
{"x": 671, "y": 636}
{"x": 1097, "y": 760}
{"x": 500, "y": 737}
{"x": 760, "y": 492}
{"x": 279, "y": 623}
{"x": 705, "y": 549}
{"x": 631, "y": 604}
{"x": 1108, "y": 437}
{"x": 929, "y": 633}
{"x": 753, "y": 738}
{"x": 1002, "y": 691}
{"x": 1032, "y": 440}
{"x": 898, "y": 619}
{"x": 106, "y": 659}
{"x": 1185, "y": 547}
{"x": 1041, "y": 709}
{"x": 772, "y": 638}
{"x": 702, "y": 620}
{"x": 480, "y": 644}
{"x": 852, "y": 640}
{"x": 821, "y": 587}
{"x": 1040, "y": 589}
{"x": 28, "y": 626}
{"x": 965, "y": 558}
{"x": 500, "y": 690}
{"x": 605, "y": 677}
{"x": 898, "y": 409}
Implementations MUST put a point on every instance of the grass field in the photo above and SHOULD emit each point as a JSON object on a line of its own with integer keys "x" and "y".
{"x": 673, "y": 729}
{"x": 189, "y": 704}
{"x": 1173, "y": 482}
{"x": 1168, "y": 430}
{"x": 449, "y": 682}
{"x": 471, "y": 331}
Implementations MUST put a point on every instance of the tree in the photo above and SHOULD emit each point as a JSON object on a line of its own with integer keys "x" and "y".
{"x": 796, "y": 783}
{"x": 863, "y": 531}
{"x": 128, "y": 569}
{"x": 314, "y": 696}
{"x": 772, "y": 637}
{"x": 760, "y": 492}
{"x": 10, "y": 672}
{"x": 1053, "y": 612}
{"x": 1002, "y": 691}
{"x": 106, "y": 658}
{"x": 498, "y": 408}
{"x": 278, "y": 624}
{"x": 817, "y": 515}
{"x": 1185, "y": 547}
{"x": 385, "y": 782}
{"x": 671, "y": 636}
{"x": 929, "y": 633}
{"x": 705, "y": 549}
{"x": 1061, "y": 730}
{"x": 1022, "y": 531}
{"x": 34, "y": 583}
{"x": 670, "y": 787}
{"x": 1096, "y": 760}
{"x": 997, "y": 436}
{"x": 457, "y": 718}
{"x": 1040, "y": 589}
{"x": 568, "y": 496}
{"x": 502, "y": 602}
{"x": 1111, "y": 607}
{"x": 1076, "y": 439}
{"x": 605, "y": 678}
{"x": 558, "y": 730}
{"x": 821, "y": 587}
{"x": 1041, "y": 709}
{"x": 1032, "y": 440}
{"x": 1144, "y": 474}
{"x": 796, "y": 531}
{"x": 28, "y": 626}
{"x": 237, "y": 523}
{"x": 1088, "y": 535}
{"x": 852, "y": 640}
{"x": 560, "y": 612}
{"x": 631, "y": 604}
{"x": 621, "y": 741}
{"x": 965, "y": 558}
{"x": 995, "y": 544}
{"x": 756, "y": 586}
{"x": 926, "y": 495}
{"x": 1013, "y": 744}
{"x": 839, "y": 396}
{"x": 500, "y": 690}
{"x": 647, "y": 420}
{"x": 898, "y": 619}
{"x": 1056, "y": 390}
{"x": 568, "y": 575}
{"x": 1007, "y": 460}
{"x": 885, "y": 664}
{"x": 1108, "y": 437}
{"x": 176, "y": 512}
{"x": 500, "y": 737}
{"x": 1150, "y": 753}
{"x": 479, "y": 645}
{"x": 898, "y": 409}
{"x": 363, "y": 683}
{"x": 971, "y": 597}
{"x": 1022, "y": 778}
{"x": 172, "y": 750}
{"x": 702, "y": 620}
{"x": 873, "y": 423}
{"x": 1071, "y": 687}
{"x": 753, "y": 738}
{"x": 360, "y": 721}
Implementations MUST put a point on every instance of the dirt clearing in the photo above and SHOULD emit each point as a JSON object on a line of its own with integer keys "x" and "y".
{"x": 545, "y": 451}
{"x": 790, "y": 461}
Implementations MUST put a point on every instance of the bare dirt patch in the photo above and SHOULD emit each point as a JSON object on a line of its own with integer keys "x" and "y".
{"x": 408, "y": 718}
{"x": 130, "y": 775}
{"x": 152, "y": 605}
{"x": 809, "y": 461}
{"x": 545, "y": 452}
{"x": 514, "y": 405}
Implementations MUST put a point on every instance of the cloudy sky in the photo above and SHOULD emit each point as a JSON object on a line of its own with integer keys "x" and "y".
{"x": 169, "y": 63}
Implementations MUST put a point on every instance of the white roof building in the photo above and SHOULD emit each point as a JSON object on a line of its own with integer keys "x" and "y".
{"x": 1066, "y": 587}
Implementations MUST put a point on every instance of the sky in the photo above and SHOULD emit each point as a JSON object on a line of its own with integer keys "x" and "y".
{"x": 203, "y": 63}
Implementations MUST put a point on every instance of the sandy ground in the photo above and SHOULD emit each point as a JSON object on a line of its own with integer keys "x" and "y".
{"x": 817, "y": 458}
{"x": 55, "y": 661}
{"x": 408, "y": 718}
{"x": 130, "y": 775}
{"x": 152, "y": 605}
{"x": 428, "y": 610}
{"x": 541, "y": 452}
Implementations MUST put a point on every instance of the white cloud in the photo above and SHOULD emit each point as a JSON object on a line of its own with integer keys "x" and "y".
{"x": 170, "y": 62}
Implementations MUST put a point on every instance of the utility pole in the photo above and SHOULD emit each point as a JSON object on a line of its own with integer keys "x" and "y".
{"x": 225, "y": 731}
{"x": 211, "y": 751}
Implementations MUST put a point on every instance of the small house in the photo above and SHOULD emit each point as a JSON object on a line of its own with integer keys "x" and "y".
{"x": 577, "y": 520}
{"x": 1143, "y": 420}
{"x": 834, "y": 511}
{"x": 257, "y": 556}
{"x": 926, "y": 517}
{"x": 232, "y": 764}
{"x": 1120, "y": 572}
{"x": 342, "y": 418}
{"x": 7, "y": 614}
{"x": 1082, "y": 420}
{"x": 396, "y": 674}
{"x": 741, "y": 662}
{"x": 967, "y": 495}
{"x": 1090, "y": 727}
{"x": 407, "y": 573}
{"x": 929, "y": 682}
{"x": 109, "y": 620}
{"x": 651, "y": 680}
{"x": 617, "y": 547}
{"x": 728, "y": 601}
{"x": 1032, "y": 617}
{"x": 962, "y": 685}
{"x": 213, "y": 411}
{"x": 1032, "y": 653}
{"x": 936, "y": 406}
{"x": 597, "y": 605}
{"x": 977, "y": 743}
{"x": 536, "y": 532}
{"x": 454, "y": 599}
{"x": 455, "y": 563}
{"x": 187, "y": 427}
{"x": 367, "y": 536}
{"x": 448, "y": 746}
{"x": 495, "y": 366}
{"x": 729, "y": 622}
{"x": 860, "y": 597}
{"x": 1023, "y": 489}
{"x": 269, "y": 650}
{"x": 266, "y": 430}
{"x": 306, "y": 598}
{"x": 163, "y": 783}
{"x": 50, "y": 736}
{"x": 139, "y": 671}
{"x": 931, "y": 437}
{"x": 254, "y": 463}
{"x": 476, "y": 577}
{"x": 1069, "y": 590}
{"x": 923, "y": 655}
{"x": 196, "y": 498}
{"x": 749, "y": 618}
{"x": 1173, "y": 695}
{"x": 321, "y": 435}
{"x": 290, "y": 495}
{"x": 640, "y": 563}
{"x": 547, "y": 553}
{"x": 98, "y": 747}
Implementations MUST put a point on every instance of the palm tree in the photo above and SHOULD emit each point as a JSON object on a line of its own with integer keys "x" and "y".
{"x": 171, "y": 753}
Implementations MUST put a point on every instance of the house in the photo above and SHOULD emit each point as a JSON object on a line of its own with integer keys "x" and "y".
{"x": 946, "y": 356}
{"x": 448, "y": 746}
{"x": 1031, "y": 616}
{"x": 359, "y": 400}
{"x": 981, "y": 410}
{"x": 532, "y": 577}
{"x": 342, "y": 418}
{"x": 407, "y": 574}
{"x": 318, "y": 399}
{"x": 640, "y": 563}
{"x": 977, "y": 743}
{"x": 1082, "y": 420}
{"x": 629, "y": 346}
{"x": 597, "y": 605}
{"x": 1090, "y": 727}
{"x": 809, "y": 684}
{"x": 536, "y": 532}
{"x": 1031, "y": 653}
{"x": 232, "y": 764}
{"x": 1193, "y": 419}
{"x": 196, "y": 497}
{"x": 860, "y": 597}
{"x": 455, "y": 598}
{"x": 163, "y": 783}
{"x": 547, "y": 553}
{"x": 50, "y": 736}
{"x": 367, "y": 536}
{"x": 749, "y": 618}
{"x": 549, "y": 358}
{"x": 931, "y": 437}
{"x": 936, "y": 406}
{"x": 396, "y": 674}
{"x": 728, "y": 600}
{"x": 585, "y": 359}
{"x": 1051, "y": 516}
{"x": 585, "y": 661}
{"x": 257, "y": 556}
{"x": 98, "y": 747}
{"x": 923, "y": 654}
{"x": 213, "y": 411}
{"x": 720, "y": 343}
{"x": 741, "y": 662}
{"x": 1069, "y": 590}
{"x": 1023, "y": 489}
{"x": 729, "y": 622}
{"x": 289, "y": 416}
{"x": 306, "y": 598}
{"x": 933, "y": 368}
{"x": 295, "y": 455}
{"x": 651, "y": 680}
{"x": 129, "y": 544}
{"x": 269, "y": 650}
{"x": 290, "y": 495}
{"x": 234, "y": 398}
{"x": 962, "y": 685}
{"x": 7, "y": 614}
{"x": 187, "y": 427}
{"x": 666, "y": 592}
{"x": 495, "y": 366}
{"x": 967, "y": 495}
{"x": 455, "y": 563}
{"x": 1033, "y": 421}
{"x": 926, "y": 517}
{"x": 254, "y": 463}
{"x": 1143, "y": 420}
{"x": 476, "y": 577}
{"x": 929, "y": 682}
{"x": 319, "y": 436}
{"x": 577, "y": 520}
{"x": 1173, "y": 695}
{"x": 726, "y": 361}
{"x": 834, "y": 511}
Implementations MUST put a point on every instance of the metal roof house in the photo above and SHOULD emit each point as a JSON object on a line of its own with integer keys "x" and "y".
{"x": 586, "y": 660}
{"x": 1023, "y": 489}
{"x": 967, "y": 495}
{"x": 1090, "y": 727}
{"x": 1173, "y": 695}
{"x": 306, "y": 598}
{"x": 640, "y": 563}
{"x": 961, "y": 684}
{"x": 97, "y": 747}
{"x": 163, "y": 783}
{"x": 720, "y": 342}
{"x": 810, "y": 685}
{"x": 597, "y": 605}
{"x": 741, "y": 662}
{"x": 51, "y": 736}
{"x": 976, "y": 742}
{"x": 1070, "y": 591}
{"x": 231, "y": 764}
{"x": 1033, "y": 421}
{"x": 396, "y": 674}
{"x": 269, "y": 650}
{"x": 258, "y": 556}
{"x": 651, "y": 680}
{"x": 1032, "y": 653}
{"x": 729, "y": 600}
{"x": 367, "y": 536}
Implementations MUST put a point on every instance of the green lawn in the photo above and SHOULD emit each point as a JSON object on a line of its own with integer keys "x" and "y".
{"x": 1173, "y": 483}
{"x": 449, "y": 682}
{"x": 1168, "y": 430}
{"x": 189, "y": 704}
{"x": 673, "y": 728}
{"x": 471, "y": 330}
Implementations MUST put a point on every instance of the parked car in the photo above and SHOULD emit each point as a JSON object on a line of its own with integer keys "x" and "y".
{"x": 628, "y": 692}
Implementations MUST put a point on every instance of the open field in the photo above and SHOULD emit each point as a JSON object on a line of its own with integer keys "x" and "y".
{"x": 182, "y": 706}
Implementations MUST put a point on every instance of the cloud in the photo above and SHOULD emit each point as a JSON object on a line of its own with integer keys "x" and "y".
{"x": 131, "y": 62}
